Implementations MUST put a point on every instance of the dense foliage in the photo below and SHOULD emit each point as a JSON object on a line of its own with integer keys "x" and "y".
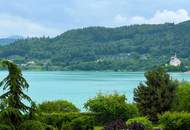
{"x": 110, "y": 107}
{"x": 32, "y": 125}
{"x": 68, "y": 121}
{"x": 57, "y": 106}
{"x": 175, "y": 121}
{"x": 80, "y": 123}
{"x": 142, "y": 120}
{"x": 155, "y": 95}
{"x": 5, "y": 127}
{"x": 137, "y": 47}
{"x": 136, "y": 126}
{"x": 182, "y": 98}
{"x": 116, "y": 125}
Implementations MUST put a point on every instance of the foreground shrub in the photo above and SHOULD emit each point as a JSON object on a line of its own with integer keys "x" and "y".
{"x": 182, "y": 99}
{"x": 63, "y": 121}
{"x": 5, "y": 127}
{"x": 49, "y": 127}
{"x": 57, "y": 106}
{"x": 140, "y": 120}
{"x": 80, "y": 123}
{"x": 175, "y": 121}
{"x": 56, "y": 119}
{"x": 110, "y": 107}
{"x": 116, "y": 125}
{"x": 136, "y": 126}
{"x": 11, "y": 117}
{"x": 133, "y": 111}
{"x": 32, "y": 125}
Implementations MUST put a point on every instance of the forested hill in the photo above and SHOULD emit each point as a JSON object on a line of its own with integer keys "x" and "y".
{"x": 131, "y": 48}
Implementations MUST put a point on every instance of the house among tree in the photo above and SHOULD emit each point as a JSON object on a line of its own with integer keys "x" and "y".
{"x": 174, "y": 61}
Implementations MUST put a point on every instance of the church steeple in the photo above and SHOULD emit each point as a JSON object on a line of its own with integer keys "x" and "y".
{"x": 175, "y": 55}
{"x": 174, "y": 61}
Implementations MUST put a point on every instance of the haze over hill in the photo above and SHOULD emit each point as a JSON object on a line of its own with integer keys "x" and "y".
{"x": 132, "y": 48}
{"x": 10, "y": 39}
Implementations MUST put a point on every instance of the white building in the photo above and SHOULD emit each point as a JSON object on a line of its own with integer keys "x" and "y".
{"x": 31, "y": 63}
{"x": 174, "y": 61}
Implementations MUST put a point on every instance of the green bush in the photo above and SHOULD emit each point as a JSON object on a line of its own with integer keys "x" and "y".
{"x": 56, "y": 119}
{"x": 80, "y": 123}
{"x": 9, "y": 116}
{"x": 57, "y": 106}
{"x": 175, "y": 120}
{"x": 143, "y": 120}
{"x": 110, "y": 107}
{"x": 49, "y": 127}
{"x": 32, "y": 125}
{"x": 63, "y": 120}
{"x": 182, "y": 99}
{"x": 5, "y": 127}
{"x": 133, "y": 111}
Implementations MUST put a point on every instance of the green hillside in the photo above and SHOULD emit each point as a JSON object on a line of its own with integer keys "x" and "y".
{"x": 130, "y": 48}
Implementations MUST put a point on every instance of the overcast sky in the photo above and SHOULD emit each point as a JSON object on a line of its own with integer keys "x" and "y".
{"x": 52, "y": 17}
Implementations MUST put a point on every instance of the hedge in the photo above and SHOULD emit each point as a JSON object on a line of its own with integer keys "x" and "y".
{"x": 32, "y": 125}
{"x": 175, "y": 120}
{"x": 142, "y": 120}
{"x": 80, "y": 123}
{"x": 64, "y": 120}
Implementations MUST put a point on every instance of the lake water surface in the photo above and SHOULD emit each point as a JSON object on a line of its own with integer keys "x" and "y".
{"x": 78, "y": 87}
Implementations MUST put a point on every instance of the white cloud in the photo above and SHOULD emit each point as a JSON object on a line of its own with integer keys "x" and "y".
{"x": 10, "y": 25}
{"x": 17, "y": 25}
{"x": 120, "y": 19}
{"x": 165, "y": 16}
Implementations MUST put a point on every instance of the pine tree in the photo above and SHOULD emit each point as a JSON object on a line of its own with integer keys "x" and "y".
{"x": 12, "y": 106}
{"x": 155, "y": 95}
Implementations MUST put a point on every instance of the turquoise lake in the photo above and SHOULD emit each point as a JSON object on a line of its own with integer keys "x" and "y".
{"x": 78, "y": 87}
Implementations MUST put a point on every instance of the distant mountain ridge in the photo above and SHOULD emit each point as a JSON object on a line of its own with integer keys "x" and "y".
{"x": 10, "y": 39}
{"x": 131, "y": 48}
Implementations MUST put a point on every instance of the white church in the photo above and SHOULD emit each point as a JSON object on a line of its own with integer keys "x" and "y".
{"x": 174, "y": 61}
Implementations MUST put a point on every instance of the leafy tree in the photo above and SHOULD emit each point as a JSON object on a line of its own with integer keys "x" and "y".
{"x": 109, "y": 107}
{"x": 155, "y": 95}
{"x": 57, "y": 106}
{"x": 14, "y": 84}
